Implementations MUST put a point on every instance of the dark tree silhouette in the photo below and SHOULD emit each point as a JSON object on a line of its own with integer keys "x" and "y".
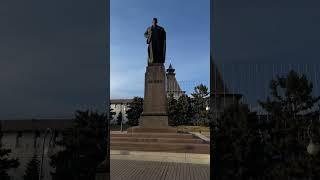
{"x": 85, "y": 147}
{"x": 32, "y": 169}
{"x": 119, "y": 118}
{"x": 135, "y": 108}
{"x": 6, "y": 163}
{"x": 111, "y": 113}
{"x": 238, "y": 150}
{"x": 183, "y": 108}
{"x": 200, "y": 98}
{"x": 172, "y": 110}
{"x": 291, "y": 109}
{"x": 247, "y": 146}
{"x": 35, "y": 138}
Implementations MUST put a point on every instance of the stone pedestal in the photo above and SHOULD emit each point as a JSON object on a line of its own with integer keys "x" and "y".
{"x": 154, "y": 117}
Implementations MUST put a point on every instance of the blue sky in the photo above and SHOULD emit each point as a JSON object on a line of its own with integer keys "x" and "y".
{"x": 187, "y": 24}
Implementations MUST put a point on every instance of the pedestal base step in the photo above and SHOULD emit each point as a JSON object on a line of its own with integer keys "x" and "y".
{"x": 155, "y": 135}
{"x": 159, "y": 142}
{"x": 138, "y": 129}
{"x": 161, "y": 147}
{"x": 155, "y": 140}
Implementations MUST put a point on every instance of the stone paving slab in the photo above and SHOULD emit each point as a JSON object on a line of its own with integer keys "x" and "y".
{"x": 152, "y": 170}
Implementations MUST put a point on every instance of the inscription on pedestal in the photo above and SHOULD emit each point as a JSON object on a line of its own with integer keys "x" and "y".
{"x": 155, "y": 81}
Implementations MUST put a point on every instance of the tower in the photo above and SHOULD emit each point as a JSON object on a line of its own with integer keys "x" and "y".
{"x": 173, "y": 86}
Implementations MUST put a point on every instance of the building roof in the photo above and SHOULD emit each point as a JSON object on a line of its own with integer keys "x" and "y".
{"x": 120, "y": 101}
{"x": 35, "y": 124}
{"x": 172, "y": 83}
{"x": 170, "y": 69}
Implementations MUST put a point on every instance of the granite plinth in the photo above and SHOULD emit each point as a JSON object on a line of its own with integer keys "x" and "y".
{"x": 154, "y": 117}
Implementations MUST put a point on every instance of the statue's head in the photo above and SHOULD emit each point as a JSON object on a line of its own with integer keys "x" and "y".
{"x": 154, "y": 21}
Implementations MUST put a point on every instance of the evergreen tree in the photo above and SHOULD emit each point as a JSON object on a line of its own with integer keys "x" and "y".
{"x": 84, "y": 147}
{"x": 180, "y": 112}
{"x": 291, "y": 108}
{"x": 182, "y": 117}
{"x": 237, "y": 146}
{"x": 200, "y": 98}
{"x": 248, "y": 147}
{"x": 35, "y": 138}
{"x": 191, "y": 111}
{"x": 111, "y": 114}
{"x": 33, "y": 169}
{"x": 119, "y": 118}
{"x": 6, "y": 163}
{"x": 19, "y": 135}
{"x": 172, "y": 110}
{"x": 135, "y": 108}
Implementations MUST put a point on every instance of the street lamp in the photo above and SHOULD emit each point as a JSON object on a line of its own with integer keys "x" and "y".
{"x": 43, "y": 145}
{"x": 312, "y": 148}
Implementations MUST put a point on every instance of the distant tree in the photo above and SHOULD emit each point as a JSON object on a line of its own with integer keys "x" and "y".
{"x": 6, "y": 163}
{"x": 172, "y": 110}
{"x": 183, "y": 117}
{"x": 35, "y": 138}
{"x": 291, "y": 109}
{"x": 185, "y": 110}
{"x": 84, "y": 147}
{"x": 119, "y": 118}
{"x": 19, "y": 135}
{"x": 111, "y": 113}
{"x": 200, "y": 98}
{"x": 191, "y": 111}
{"x": 32, "y": 169}
{"x": 135, "y": 108}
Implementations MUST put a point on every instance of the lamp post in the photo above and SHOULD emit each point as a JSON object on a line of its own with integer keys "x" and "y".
{"x": 312, "y": 148}
{"x": 42, "y": 156}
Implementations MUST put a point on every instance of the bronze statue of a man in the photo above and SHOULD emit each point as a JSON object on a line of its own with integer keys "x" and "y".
{"x": 156, "y": 38}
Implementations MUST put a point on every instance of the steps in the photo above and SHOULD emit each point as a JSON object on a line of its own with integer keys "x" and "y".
{"x": 159, "y": 142}
{"x": 155, "y": 135}
{"x": 151, "y": 130}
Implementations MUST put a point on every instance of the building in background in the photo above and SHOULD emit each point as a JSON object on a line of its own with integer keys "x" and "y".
{"x": 220, "y": 96}
{"x": 173, "y": 86}
{"x": 26, "y": 137}
{"x": 117, "y": 106}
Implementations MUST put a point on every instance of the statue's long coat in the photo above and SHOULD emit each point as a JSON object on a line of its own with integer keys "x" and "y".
{"x": 156, "y": 38}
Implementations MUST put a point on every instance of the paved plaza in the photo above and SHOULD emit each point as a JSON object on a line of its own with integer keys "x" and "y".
{"x": 161, "y": 156}
{"x": 155, "y": 170}
{"x": 139, "y": 165}
{"x": 144, "y": 165}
